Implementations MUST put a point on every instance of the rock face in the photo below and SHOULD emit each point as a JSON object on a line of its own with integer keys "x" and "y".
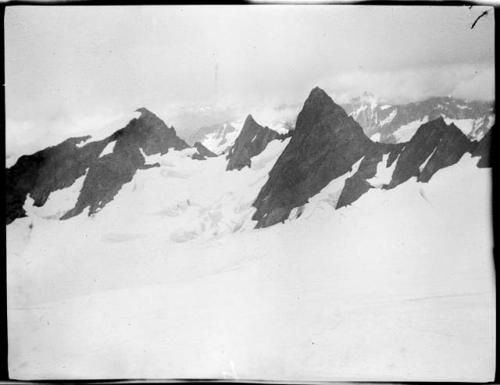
{"x": 327, "y": 143}
{"x": 252, "y": 140}
{"x": 58, "y": 167}
{"x": 483, "y": 150}
{"x": 202, "y": 152}
{"x": 111, "y": 171}
{"x": 434, "y": 146}
{"x": 359, "y": 183}
{"x": 46, "y": 171}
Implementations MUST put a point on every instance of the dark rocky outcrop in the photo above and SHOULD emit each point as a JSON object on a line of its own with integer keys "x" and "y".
{"x": 202, "y": 152}
{"x": 59, "y": 166}
{"x": 252, "y": 140}
{"x": 434, "y": 146}
{"x": 358, "y": 184}
{"x": 327, "y": 143}
{"x": 483, "y": 150}
{"x": 111, "y": 171}
{"x": 48, "y": 170}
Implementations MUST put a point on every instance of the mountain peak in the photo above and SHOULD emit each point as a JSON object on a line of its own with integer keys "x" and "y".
{"x": 144, "y": 111}
{"x": 251, "y": 141}
{"x": 326, "y": 144}
{"x": 318, "y": 106}
{"x": 249, "y": 119}
{"x": 440, "y": 120}
{"x": 319, "y": 99}
{"x": 319, "y": 94}
{"x": 150, "y": 119}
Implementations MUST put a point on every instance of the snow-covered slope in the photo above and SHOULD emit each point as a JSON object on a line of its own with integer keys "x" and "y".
{"x": 171, "y": 281}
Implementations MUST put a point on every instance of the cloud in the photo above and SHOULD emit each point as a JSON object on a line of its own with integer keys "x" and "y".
{"x": 467, "y": 81}
{"x": 480, "y": 86}
{"x": 72, "y": 71}
{"x": 27, "y": 137}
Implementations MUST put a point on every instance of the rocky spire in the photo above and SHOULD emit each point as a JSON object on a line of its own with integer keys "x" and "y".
{"x": 252, "y": 140}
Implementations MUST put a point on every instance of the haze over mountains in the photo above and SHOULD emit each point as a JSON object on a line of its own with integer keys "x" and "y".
{"x": 397, "y": 123}
{"x": 382, "y": 122}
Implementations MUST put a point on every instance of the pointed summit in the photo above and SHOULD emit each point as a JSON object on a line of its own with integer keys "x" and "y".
{"x": 150, "y": 133}
{"x": 318, "y": 92}
{"x": 439, "y": 121}
{"x": 252, "y": 140}
{"x": 317, "y": 106}
{"x": 146, "y": 135}
{"x": 147, "y": 121}
{"x": 249, "y": 119}
{"x": 144, "y": 111}
{"x": 319, "y": 97}
{"x": 325, "y": 145}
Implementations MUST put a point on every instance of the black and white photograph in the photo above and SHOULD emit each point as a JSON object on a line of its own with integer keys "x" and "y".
{"x": 253, "y": 192}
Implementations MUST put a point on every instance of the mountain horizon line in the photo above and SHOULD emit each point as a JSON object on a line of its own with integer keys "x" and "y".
{"x": 326, "y": 143}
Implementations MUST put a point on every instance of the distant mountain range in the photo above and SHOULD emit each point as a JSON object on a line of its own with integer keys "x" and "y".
{"x": 218, "y": 137}
{"x": 381, "y": 122}
{"x": 397, "y": 123}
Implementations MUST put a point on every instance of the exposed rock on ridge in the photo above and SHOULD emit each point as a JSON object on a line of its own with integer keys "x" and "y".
{"x": 327, "y": 143}
{"x": 59, "y": 166}
{"x": 107, "y": 176}
{"x": 434, "y": 146}
{"x": 252, "y": 140}
{"x": 202, "y": 152}
{"x": 48, "y": 170}
{"x": 483, "y": 150}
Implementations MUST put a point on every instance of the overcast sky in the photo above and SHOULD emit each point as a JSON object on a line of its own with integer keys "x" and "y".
{"x": 72, "y": 70}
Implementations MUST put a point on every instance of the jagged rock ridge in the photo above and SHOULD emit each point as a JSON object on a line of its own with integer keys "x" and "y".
{"x": 252, "y": 140}
{"x": 434, "y": 146}
{"x": 327, "y": 143}
{"x": 59, "y": 166}
{"x": 48, "y": 170}
{"x": 110, "y": 172}
{"x": 483, "y": 150}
